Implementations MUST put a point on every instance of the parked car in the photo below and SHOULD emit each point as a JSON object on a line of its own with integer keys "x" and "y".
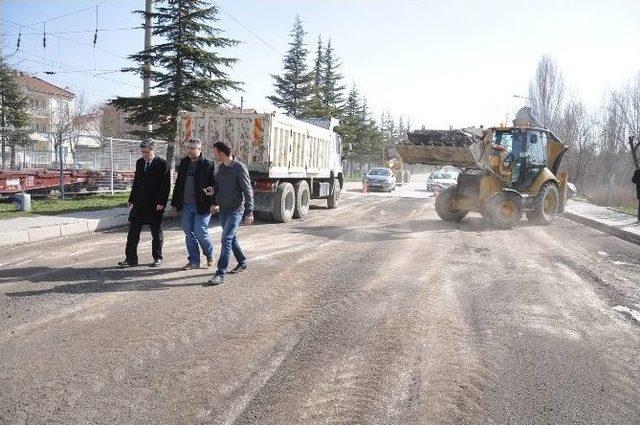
{"x": 381, "y": 178}
{"x": 439, "y": 180}
{"x": 571, "y": 190}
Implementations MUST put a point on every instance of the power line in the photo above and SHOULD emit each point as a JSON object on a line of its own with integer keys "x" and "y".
{"x": 70, "y": 69}
{"x": 74, "y": 32}
{"x": 249, "y": 31}
{"x": 69, "y": 13}
{"x": 69, "y": 39}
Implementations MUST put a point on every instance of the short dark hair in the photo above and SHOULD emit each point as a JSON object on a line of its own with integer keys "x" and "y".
{"x": 148, "y": 144}
{"x": 223, "y": 147}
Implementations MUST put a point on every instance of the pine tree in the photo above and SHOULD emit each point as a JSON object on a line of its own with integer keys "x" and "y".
{"x": 350, "y": 123}
{"x": 187, "y": 69}
{"x": 317, "y": 107}
{"x": 14, "y": 116}
{"x": 332, "y": 89}
{"x": 294, "y": 87}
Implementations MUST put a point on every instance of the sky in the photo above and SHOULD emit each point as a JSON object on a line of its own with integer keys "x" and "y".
{"x": 435, "y": 62}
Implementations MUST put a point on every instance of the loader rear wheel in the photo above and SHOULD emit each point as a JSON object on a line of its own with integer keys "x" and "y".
{"x": 505, "y": 209}
{"x": 445, "y": 207}
{"x": 545, "y": 205}
{"x": 284, "y": 203}
{"x": 302, "y": 199}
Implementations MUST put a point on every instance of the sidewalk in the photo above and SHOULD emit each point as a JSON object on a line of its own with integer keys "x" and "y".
{"x": 624, "y": 226}
{"x": 21, "y": 230}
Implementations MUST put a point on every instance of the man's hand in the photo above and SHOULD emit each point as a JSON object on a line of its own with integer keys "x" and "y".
{"x": 159, "y": 207}
{"x": 175, "y": 211}
{"x": 214, "y": 209}
{"x": 248, "y": 219}
{"x": 130, "y": 205}
{"x": 209, "y": 191}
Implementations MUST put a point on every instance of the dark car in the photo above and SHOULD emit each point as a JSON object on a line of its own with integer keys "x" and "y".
{"x": 381, "y": 179}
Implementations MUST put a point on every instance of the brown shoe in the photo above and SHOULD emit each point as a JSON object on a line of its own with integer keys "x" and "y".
{"x": 190, "y": 266}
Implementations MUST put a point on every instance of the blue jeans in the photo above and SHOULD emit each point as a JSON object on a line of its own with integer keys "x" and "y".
{"x": 196, "y": 230}
{"x": 230, "y": 220}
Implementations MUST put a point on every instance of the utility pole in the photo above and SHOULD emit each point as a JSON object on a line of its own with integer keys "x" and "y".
{"x": 61, "y": 161}
{"x": 146, "y": 83}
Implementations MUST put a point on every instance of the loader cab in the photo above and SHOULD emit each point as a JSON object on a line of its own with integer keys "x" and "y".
{"x": 523, "y": 151}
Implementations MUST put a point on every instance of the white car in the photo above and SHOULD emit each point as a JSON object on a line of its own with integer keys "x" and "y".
{"x": 439, "y": 180}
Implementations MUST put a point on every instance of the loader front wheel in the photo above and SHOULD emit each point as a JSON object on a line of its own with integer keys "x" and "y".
{"x": 545, "y": 205}
{"x": 505, "y": 209}
{"x": 446, "y": 208}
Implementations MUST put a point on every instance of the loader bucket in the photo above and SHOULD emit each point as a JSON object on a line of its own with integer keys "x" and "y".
{"x": 443, "y": 147}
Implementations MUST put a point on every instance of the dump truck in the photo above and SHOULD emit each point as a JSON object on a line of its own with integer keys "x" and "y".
{"x": 505, "y": 171}
{"x": 290, "y": 161}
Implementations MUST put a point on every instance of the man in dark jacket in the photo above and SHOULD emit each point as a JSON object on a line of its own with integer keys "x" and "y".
{"x": 147, "y": 201}
{"x": 195, "y": 173}
{"x": 234, "y": 197}
{"x": 636, "y": 180}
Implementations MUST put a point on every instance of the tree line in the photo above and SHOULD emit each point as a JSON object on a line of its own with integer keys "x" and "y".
{"x": 603, "y": 141}
{"x": 318, "y": 90}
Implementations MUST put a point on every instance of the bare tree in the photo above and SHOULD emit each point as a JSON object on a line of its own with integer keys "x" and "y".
{"x": 576, "y": 130}
{"x": 546, "y": 92}
{"x": 61, "y": 129}
{"x": 114, "y": 123}
{"x": 627, "y": 103}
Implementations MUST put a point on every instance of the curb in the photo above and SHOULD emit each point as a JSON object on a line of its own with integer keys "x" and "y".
{"x": 622, "y": 234}
{"x": 54, "y": 231}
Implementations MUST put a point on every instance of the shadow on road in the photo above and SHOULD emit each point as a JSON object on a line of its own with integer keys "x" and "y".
{"x": 99, "y": 280}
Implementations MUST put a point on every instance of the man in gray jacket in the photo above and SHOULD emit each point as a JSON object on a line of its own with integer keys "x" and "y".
{"x": 234, "y": 198}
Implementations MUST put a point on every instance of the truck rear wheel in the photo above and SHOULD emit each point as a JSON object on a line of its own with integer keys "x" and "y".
{"x": 302, "y": 199}
{"x": 445, "y": 208}
{"x": 545, "y": 205}
{"x": 505, "y": 209}
{"x": 284, "y": 203}
{"x": 332, "y": 200}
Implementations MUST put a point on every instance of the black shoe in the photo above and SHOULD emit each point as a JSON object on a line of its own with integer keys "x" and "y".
{"x": 156, "y": 263}
{"x": 239, "y": 269}
{"x": 126, "y": 263}
{"x": 217, "y": 279}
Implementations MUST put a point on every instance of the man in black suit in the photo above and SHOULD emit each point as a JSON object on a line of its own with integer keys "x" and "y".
{"x": 636, "y": 180}
{"x": 147, "y": 201}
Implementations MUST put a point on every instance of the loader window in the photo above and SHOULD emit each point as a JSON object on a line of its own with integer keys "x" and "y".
{"x": 506, "y": 140}
{"x": 536, "y": 149}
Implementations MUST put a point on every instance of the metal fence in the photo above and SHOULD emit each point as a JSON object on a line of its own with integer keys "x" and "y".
{"x": 97, "y": 164}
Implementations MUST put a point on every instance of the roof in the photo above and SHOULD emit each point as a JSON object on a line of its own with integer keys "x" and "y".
{"x": 37, "y": 84}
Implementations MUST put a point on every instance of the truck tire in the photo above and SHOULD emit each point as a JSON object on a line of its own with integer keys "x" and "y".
{"x": 264, "y": 216}
{"x": 505, "y": 209}
{"x": 284, "y": 203}
{"x": 303, "y": 196}
{"x": 545, "y": 205}
{"x": 332, "y": 200}
{"x": 445, "y": 210}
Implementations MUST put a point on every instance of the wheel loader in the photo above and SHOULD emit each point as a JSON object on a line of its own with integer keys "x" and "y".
{"x": 507, "y": 171}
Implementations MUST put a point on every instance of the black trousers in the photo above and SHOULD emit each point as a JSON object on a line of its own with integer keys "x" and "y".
{"x": 638, "y": 209}
{"x": 131, "y": 251}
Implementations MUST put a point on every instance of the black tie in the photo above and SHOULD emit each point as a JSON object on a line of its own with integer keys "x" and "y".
{"x": 146, "y": 165}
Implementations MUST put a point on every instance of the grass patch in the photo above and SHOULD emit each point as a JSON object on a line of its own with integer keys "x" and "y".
{"x": 58, "y": 206}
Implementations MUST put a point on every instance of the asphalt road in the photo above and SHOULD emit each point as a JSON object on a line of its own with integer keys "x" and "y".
{"x": 376, "y": 312}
